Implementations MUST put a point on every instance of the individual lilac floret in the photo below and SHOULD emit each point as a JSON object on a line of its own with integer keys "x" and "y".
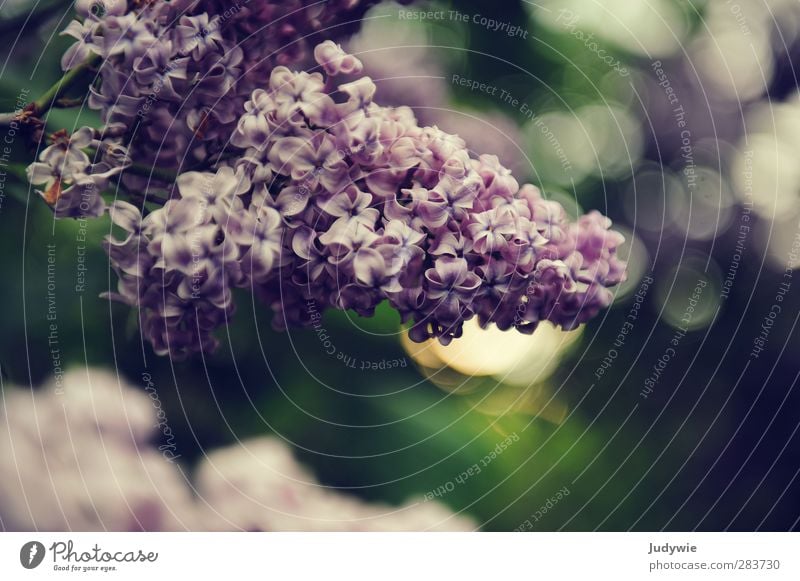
{"x": 339, "y": 202}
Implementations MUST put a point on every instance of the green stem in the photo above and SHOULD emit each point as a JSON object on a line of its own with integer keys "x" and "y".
{"x": 46, "y": 101}
{"x": 51, "y": 97}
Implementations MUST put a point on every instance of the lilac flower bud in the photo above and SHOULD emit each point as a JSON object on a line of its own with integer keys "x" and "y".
{"x": 335, "y": 61}
{"x": 97, "y": 9}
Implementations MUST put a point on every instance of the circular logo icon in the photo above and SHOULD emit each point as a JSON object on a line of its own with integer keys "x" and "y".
{"x": 31, "y": 554}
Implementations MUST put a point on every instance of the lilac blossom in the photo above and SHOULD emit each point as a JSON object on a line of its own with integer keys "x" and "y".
{"x": 300, "y": 187}
{"x": 79, "y": 454}
{"x": 257, "y": 485}
{"x": 441, "y": 235}
{"x": 71, "y": 181}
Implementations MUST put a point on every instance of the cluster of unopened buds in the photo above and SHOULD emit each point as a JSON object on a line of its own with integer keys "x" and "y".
{"x": 304, "y": 190}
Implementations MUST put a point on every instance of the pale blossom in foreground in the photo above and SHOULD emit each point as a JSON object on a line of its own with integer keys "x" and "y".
{"x": 83, "y": 454}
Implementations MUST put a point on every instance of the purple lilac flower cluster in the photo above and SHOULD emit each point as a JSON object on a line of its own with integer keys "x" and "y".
{"x": 336, "y": 201}
{"x": 172, "y": 80}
